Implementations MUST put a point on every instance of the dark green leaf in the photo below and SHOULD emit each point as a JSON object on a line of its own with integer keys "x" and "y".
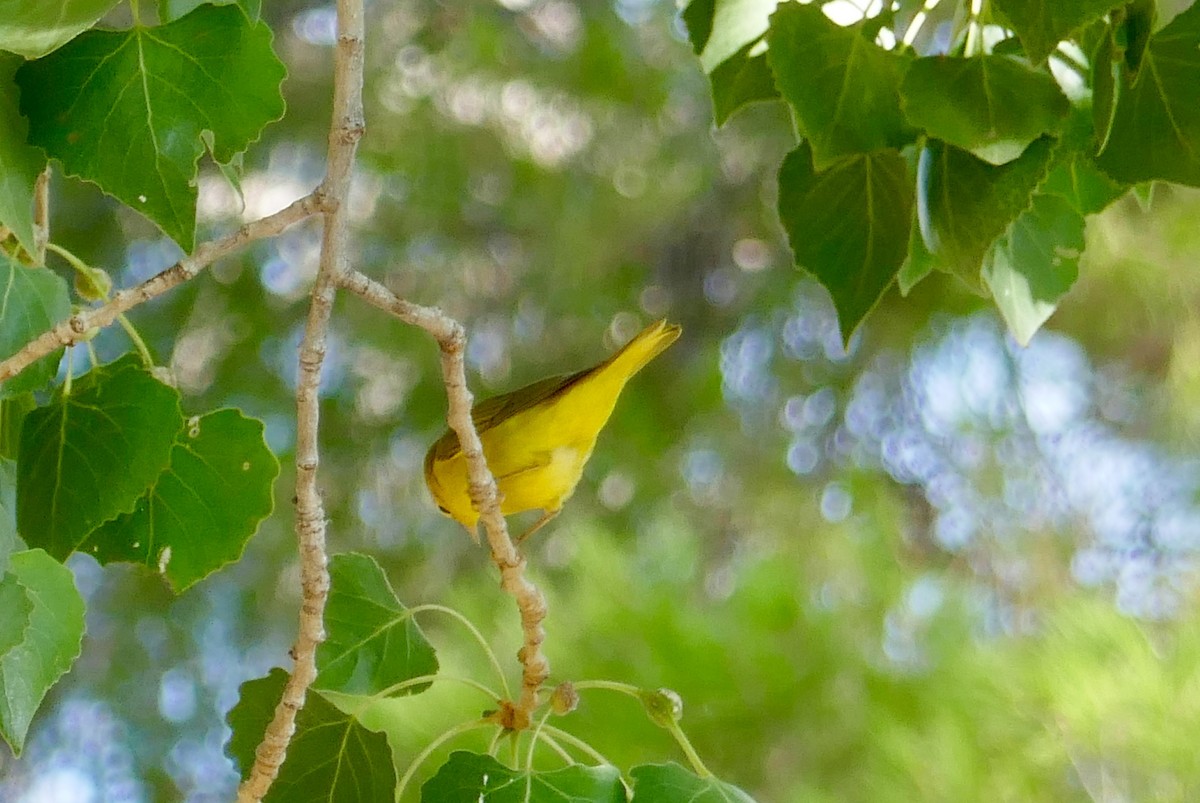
{"x": 89, "y": 456}
{"x": 50, "y": 645}
{"x": 470, "y": 777}
{"x": 964, "y": 203}
{"x": 1155, "y": 131}
{"x": 20, "y": 163}
{"x": 671, "y": 783}
{"x": 741, "y": 80}
{"x": 1042, "y": 24}
{"x": 992, "y": 106}
{"x": 1133, "y": 33}
{"x": 200, "y": 512}
{"x": 1033, "y": 265}
{"x": 33, "y": 28}
{"x": 33, "y": 300}
{"x": 146, "y": 94}
{"x": 847, "y": 225}
{"x": 12, "y": 416}
{"x": 371, "y": 641}
{"x": 332, "y": 757}
{"x": 1105, "y": 69}
{"x": 698, "y": 19}
{"x": 843, "y": 88}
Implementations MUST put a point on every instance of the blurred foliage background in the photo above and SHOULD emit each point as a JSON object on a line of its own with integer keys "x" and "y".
{"x": 932, "y": 566}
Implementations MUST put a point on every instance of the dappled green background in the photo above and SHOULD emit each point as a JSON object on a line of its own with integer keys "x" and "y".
{"x": 932, "y": 567}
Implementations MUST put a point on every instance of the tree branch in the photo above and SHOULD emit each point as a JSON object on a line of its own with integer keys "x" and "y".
{"x": 451, "y": 340}
{"x": 345, "y": 131}
{"x": 75, "y": 328}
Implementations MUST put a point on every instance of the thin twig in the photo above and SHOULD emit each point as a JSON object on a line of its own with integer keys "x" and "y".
{"x": 345, "y": 131}
{"x": 452, "y": 340}
{"x": 75, "y": 328}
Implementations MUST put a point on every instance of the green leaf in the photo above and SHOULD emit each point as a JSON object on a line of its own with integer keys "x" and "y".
{"x": 470, "y": 777}
{"x": 20, "y": 163}
{"x": 1074, "y": 174}
{"x": 697, "y": 17}
{"x": 89, "y": 456}
{"x": 15, "y": 610}
{"x": 1155, "y": 133}
{"x": 992, "y": 106}
{"x": 1034, "y": 264}
{"x": 33, "y": 28}
{"x": 1042, "y": 24}
{"x": 847, "y": 225}
{"x": 372, "y": 643}
{"x": 964, "y": 203}
{"x": 8, "y": 512}
{"x": 201, "y": 511}
{"x": 51, "y": 641}
{"x": 843, "y": 88}
{"x": 739, "y": 81}
{"x": 721, "y": 28}
{"x": 1082, "y": 184}
{"x": 147, "y": 93}
{"x": 32, "y": 300}
{"x": 332, "y": 757}
{"x": 671, "y": 783}
{"x": 174, "y": 9}
{"x": 919, "y": 263}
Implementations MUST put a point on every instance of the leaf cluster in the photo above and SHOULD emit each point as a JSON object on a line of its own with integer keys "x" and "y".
{"x": 970, "y": 143}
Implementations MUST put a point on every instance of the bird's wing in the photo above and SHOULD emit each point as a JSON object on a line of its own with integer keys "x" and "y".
{"x": 492, "y": 412}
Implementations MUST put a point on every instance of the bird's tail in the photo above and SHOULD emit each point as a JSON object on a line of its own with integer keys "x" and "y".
{"x": 648, "y": 344}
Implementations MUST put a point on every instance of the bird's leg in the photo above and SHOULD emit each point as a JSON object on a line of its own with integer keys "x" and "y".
{"x": 547, "y": 515}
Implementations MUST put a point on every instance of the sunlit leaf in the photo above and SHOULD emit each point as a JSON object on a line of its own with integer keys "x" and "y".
{"x": 719, "y": 29}
{"x": 372, "y": 643}
{"x": 843, "y": 88}
{"x": 1155, "y": 132}
{"x": 201, "y": 511}
{"x": 847, "y": 225}
{"x": 33, "y": 28}
{"x": 146, "y": 94}
{"x": 20, "y": 163}
{"x": 49, "y": 645}
{"x": 964, "y": 203}
{"x": 1033, "y": 265}
{"x": 470, "y": 777}
{"x": 32, "y": 300}
{"x": 331, "y": 757}
{"x": 1042, "y": 24}
{"x": 992, "y": 106}
{"x": 671, "y": 783}
{"x": 89, "y": 456}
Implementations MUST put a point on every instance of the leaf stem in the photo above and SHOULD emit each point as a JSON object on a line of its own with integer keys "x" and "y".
{"x": 138, "y": 343}
{"x": 467, "y": 623}
{"x": 475, "y": 684}
{"x": 457, "y": 730}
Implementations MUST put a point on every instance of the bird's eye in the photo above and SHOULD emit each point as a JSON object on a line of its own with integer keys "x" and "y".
{"x": 444, "y": 511}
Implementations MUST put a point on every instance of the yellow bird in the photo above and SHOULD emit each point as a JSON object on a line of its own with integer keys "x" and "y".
{"x": 538, "y": 438}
